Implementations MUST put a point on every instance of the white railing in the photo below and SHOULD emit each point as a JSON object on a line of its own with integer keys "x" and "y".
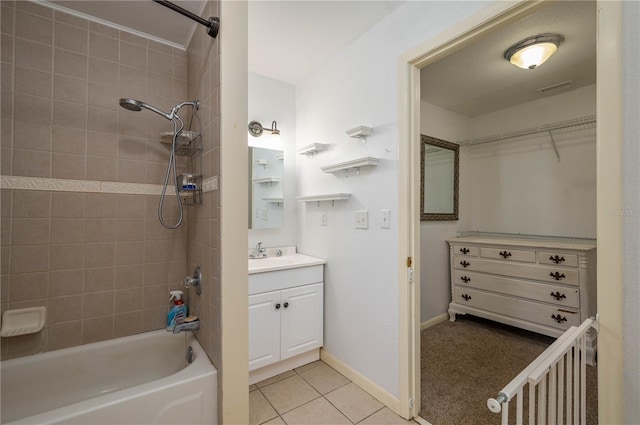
{"x": 557, "y": 377}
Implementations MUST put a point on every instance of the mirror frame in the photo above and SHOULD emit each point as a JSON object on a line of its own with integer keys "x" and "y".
{"x": 428, "y": 140}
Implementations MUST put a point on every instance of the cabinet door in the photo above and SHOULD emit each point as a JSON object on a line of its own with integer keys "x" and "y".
{"x": 264, "y": 329}
{"x": 302, "y": 319}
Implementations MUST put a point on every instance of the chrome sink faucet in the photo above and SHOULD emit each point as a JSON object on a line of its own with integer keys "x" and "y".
{"x": 259, "y": 252}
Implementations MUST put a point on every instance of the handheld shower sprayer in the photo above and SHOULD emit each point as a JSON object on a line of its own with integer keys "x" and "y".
{"x": 178, "y": 126}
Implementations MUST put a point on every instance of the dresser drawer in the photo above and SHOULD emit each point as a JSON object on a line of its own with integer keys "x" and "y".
{"x": 527, "y": 271}
{"x": 469, "y": 251}
{"x": 554, "y": 294}
{"x": 558, "y": 258}
{"x": 509, "y": 254}
{"x": 521, "y": 309}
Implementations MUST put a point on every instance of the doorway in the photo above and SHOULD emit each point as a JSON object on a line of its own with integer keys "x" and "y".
{"x": 608, "y": 188}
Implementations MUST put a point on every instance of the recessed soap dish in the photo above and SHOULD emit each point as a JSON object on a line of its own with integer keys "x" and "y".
{"x": 23, "y": 321}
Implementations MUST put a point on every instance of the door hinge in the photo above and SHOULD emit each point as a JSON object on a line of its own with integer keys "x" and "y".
{"x": 409, "y": 261}
{"x": 411, "y": 403}
{"x": 410, "y": 274}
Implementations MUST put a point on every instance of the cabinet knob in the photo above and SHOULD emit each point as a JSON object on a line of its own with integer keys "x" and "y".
{"x": 556, "y": 259}
{"x": 465, "y": 279}
{"x": 505, "y": 254}
{"x": 557, "y": 275}
{"x": 466, "y": 297}
{"x": 558, "y": 318}
{"x": 278, "y": 306}
{"x": 286, "y": 304}
{"x": 558, "y": 296}
{"x": 465, "y": 251}
{"x": 464, "y": 264}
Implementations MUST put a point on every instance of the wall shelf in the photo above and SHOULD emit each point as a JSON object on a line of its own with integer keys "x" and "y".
{"x": 266, "y": 180}
{"x": 359, "y": 132}
{"x": 326, "y": 197}
{"x": 312, "y": 149}
{"x": 367, "y": 161}
{"x": 274, "y": 200}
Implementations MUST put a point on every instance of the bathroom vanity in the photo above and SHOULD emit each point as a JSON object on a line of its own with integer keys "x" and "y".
{"x": 544, "y": 286}
{"x": 286, "y": 313}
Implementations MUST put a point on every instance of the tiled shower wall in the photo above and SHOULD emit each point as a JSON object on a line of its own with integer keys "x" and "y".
{"x": 204, "y": 222}
{"x": 100, "y": 262}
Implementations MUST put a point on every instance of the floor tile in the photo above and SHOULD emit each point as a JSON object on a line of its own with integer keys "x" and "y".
{"x": 309, "y": 366}
{"x": 276, "y": 378}
{"x": 385, "y": 417}
{"x": 252, "y": 388}
{"x": 324, "y": 379}
{"x": 355, "y": 403}
{"x": 289, "y": 393}
{"x": 259, "y": 409}
{"x": 317, "y": 412}
{"x": 276, "y": 421}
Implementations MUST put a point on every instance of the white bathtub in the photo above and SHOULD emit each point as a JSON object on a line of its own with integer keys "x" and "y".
{"x": 140, "y": 379}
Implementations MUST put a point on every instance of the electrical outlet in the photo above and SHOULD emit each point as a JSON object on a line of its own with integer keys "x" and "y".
{"x": 264, "y": 214}
{"x": 362, "y": 219}
{"x": 385, "y": 219}
{"x": 323, "y": 218}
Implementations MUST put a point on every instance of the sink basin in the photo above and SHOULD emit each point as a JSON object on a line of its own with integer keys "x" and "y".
{"x": 282, "y": 263}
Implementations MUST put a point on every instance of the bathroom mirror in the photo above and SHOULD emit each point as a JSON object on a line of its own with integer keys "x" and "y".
{"x": 438, "y": 179}
{"x": 266, "y": 188}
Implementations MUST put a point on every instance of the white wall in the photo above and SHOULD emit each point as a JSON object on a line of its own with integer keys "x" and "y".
{"x": 435, "y": 291}
{"x": 631, "y": 34}
{"x": 273, "y": 100}
{"x": 519, "y": 186}
{"x": 358, "y": 86}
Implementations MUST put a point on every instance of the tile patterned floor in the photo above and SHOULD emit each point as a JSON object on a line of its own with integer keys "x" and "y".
{"x": 315, "y": 394}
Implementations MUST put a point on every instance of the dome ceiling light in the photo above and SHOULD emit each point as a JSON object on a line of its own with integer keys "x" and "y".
{"x": 533, "y": 51}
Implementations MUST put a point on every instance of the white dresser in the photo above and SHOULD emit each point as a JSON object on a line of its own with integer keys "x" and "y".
{"x": 544, "y": 286}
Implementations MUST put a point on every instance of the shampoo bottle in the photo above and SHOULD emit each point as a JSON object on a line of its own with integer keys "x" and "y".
{"x": 178, "y": 311}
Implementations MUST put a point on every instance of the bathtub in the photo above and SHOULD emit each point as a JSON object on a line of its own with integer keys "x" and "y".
{"x": 139, "y": 379}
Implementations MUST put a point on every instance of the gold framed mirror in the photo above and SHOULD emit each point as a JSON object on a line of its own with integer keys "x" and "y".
{"x": 439, "y": 167}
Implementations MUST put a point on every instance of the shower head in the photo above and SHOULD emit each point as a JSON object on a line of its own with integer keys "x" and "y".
{"x": 136, "y": 105}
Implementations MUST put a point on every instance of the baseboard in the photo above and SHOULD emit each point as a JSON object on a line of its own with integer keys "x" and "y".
{"x": 434, "y": 321}
{"x": 362, "y": 381}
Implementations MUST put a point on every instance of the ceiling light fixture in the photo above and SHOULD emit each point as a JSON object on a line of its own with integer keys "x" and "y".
{"x": 256, "y": 129}
{"x": 533, "y": 51}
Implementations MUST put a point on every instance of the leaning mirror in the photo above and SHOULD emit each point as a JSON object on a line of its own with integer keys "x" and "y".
{"x": 438, "y": 179}
{"x": 266, "y": 203}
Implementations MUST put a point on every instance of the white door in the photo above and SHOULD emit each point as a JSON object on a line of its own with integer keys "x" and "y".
{"x": 264, "y": 329}
{"x": 302, "y": 325}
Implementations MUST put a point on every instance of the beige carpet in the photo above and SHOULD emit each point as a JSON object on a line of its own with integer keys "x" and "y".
{"x": 465, "y": 362}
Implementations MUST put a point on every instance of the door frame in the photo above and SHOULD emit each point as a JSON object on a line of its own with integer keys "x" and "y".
{"x": 609, "y": 194}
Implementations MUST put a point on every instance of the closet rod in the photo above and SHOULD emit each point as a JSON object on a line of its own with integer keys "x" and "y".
{"x": 546, "y": 128}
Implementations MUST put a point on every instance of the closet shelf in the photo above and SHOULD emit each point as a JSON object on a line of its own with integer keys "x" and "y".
{"x": 312, "y": 149}
{"x": 367, "y": 161}
{"x": 325, "y": 197}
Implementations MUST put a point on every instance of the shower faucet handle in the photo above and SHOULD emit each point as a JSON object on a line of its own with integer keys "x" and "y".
{"x": 195, "y": 281}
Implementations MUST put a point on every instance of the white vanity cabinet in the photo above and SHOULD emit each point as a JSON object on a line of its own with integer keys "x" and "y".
{"x": 286, "y": 314}
{"x": 545, "y": 286}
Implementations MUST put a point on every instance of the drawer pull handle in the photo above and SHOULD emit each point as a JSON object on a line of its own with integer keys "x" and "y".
{"x": 557, "y": 275}
{"x": 464, "y": 264}
{"x": 465, "y": 251}
{"x": 286, "y": 305}
{"x": 278, "y": 306}
{"x": 468, "y": 297}
{"x": 465, "y": 279}
{"x": 556, "y": 259}
{"x": 558, "y": 296}
{"x": 559, "y": 318}
{"x": 505, "y": 254}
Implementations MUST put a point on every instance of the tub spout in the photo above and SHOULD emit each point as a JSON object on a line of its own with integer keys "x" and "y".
{"x": 189, "y": 326}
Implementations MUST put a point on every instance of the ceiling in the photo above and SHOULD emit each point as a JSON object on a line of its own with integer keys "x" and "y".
{"x": 287, "y": 39}
{"x": 477, "y": 79}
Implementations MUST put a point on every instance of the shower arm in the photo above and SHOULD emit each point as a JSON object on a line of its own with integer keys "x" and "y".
{"x": 213, "y": 24}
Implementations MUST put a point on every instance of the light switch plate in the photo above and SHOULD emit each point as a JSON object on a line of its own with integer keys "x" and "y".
{"x": 385, "y": 219}
{"x": 323, "y": 218}
{"x": 362, "y": 219}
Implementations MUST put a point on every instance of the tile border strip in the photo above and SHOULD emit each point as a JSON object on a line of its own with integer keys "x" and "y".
{"x": 90, "y": 186}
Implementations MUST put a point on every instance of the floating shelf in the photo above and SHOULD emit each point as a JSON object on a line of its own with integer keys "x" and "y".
{"x": 274, "y": 200}
{"x": 367, "y": 161}
{"x": 360, "y": 132}
{"x": 266, "y": 180}
{"x": 326, "y": 197}
{"x": 280, "y": 157}
{"x": 312, "y": 149}
{"x": 261, "y": 162}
